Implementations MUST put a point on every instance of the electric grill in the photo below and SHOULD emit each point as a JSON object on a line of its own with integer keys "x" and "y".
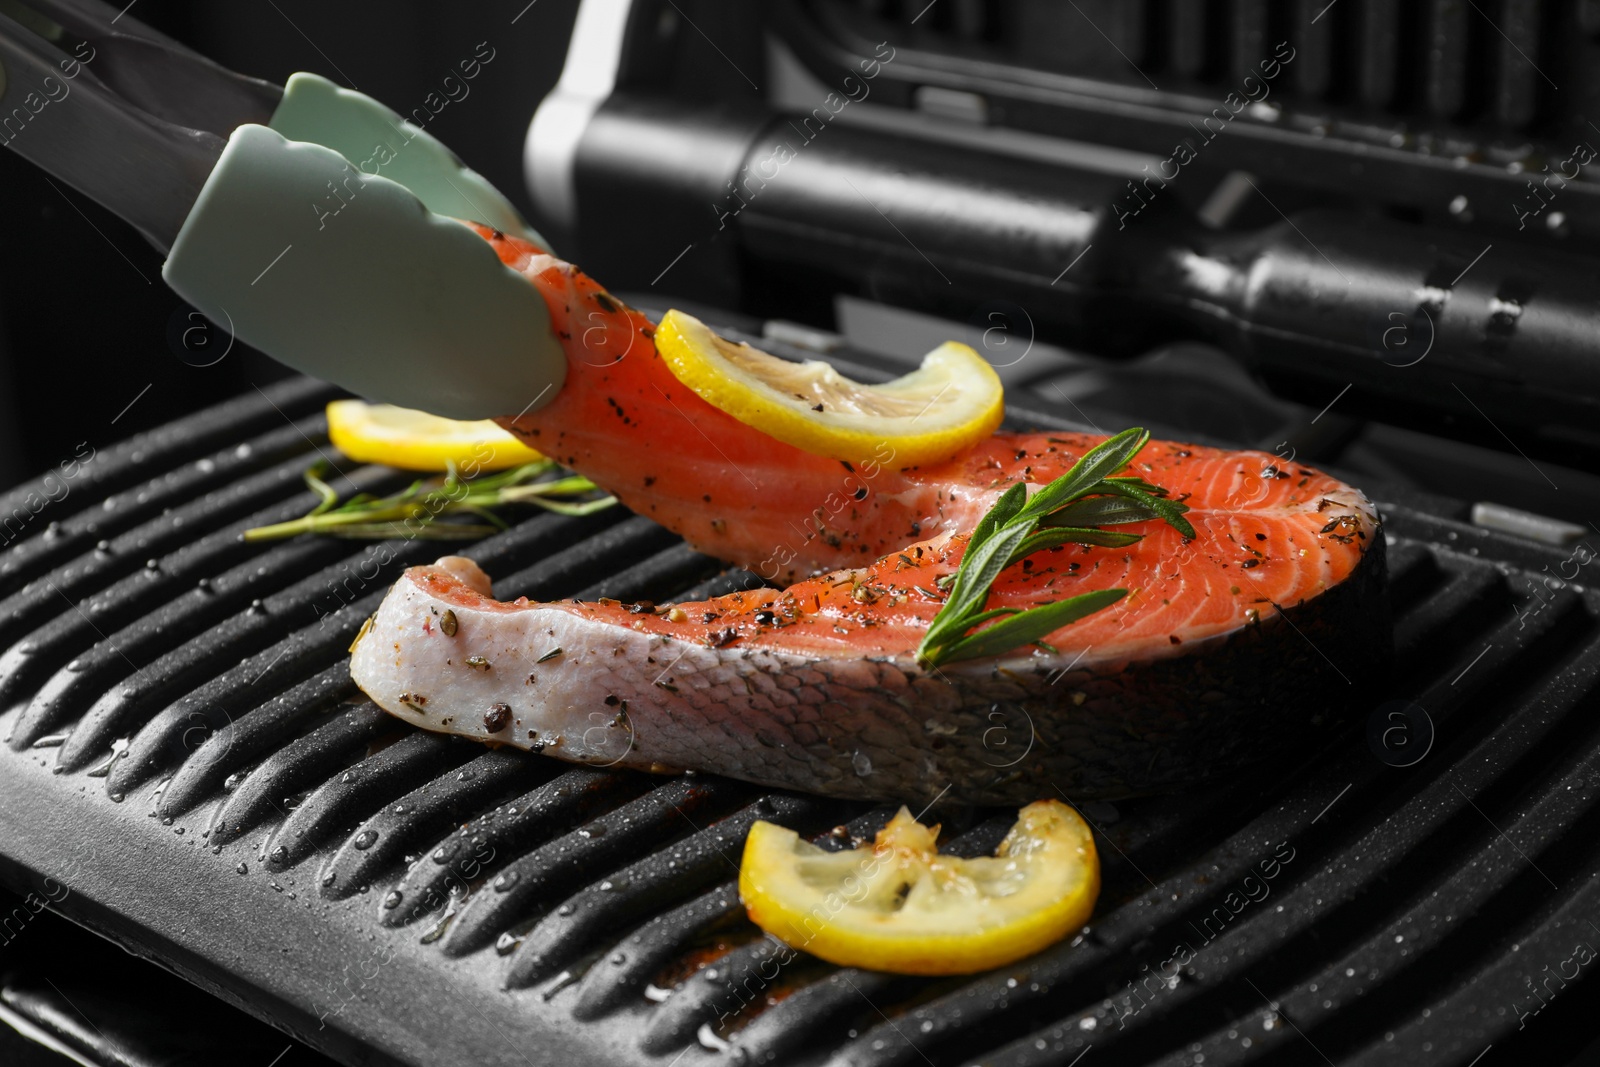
{"x": 192, "y": 775}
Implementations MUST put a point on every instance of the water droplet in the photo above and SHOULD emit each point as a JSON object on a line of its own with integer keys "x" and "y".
{"x": 232, "y": 782}
{"x": 565, "y": 909}
{"x": 507, "y": 943}
{"x": 279, "y": 856}
{"x": 393, "y": 899}
{"x": 619, "y": 958}
{"x": 242, "y": 869}
{"x": 557, "y": 984}
{"x": 710, "y": 1040}
{"x": 862, "y": 763}
{"x": 1087, "y": 1023}
{"x": 506, "y": 880}
{"x": 179, "y": 831}
{"x": 366, "y": 839}
{"x": 276, "y": 888}
{"x": 330, "y": 878}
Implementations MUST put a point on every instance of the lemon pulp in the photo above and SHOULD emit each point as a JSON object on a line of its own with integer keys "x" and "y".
{"x": 899, "y": 905}
{"x": 952, "y": 401}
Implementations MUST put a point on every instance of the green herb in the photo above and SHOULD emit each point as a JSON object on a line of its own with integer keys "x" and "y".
{"x": 414, "y": 511}
{"x": 1067, "y": 511}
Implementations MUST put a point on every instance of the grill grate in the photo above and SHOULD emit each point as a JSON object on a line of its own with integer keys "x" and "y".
{"x": 430, "y": 898}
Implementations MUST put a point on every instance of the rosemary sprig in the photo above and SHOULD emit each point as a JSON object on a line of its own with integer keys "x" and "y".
{"x": 412, "y": 512}
{"x": 1069, "y": 510}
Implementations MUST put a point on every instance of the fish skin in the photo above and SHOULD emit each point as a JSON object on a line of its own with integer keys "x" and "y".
{"x": 816, "y": 687}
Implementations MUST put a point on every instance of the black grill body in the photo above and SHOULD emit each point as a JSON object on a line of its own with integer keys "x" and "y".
{"x": 191, "y": 774}
{"x": 225, "y": 803}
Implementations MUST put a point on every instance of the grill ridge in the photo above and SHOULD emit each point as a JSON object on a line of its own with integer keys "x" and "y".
{"x": 704, "y": 857}
{"x": 114, "y": 557}
{"x": 421, "y": 814}
{"x": 233, "y": 745}
{"x": 532, "y": 885}
{"x": 297, "y": 767}
{"x": 211, "y": 436}
{"x": 483, "y": 845}
{"x": 244, "y": 566}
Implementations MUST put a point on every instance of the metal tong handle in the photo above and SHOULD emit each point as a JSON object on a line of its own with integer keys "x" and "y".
{"x": 151, "y": 70}
{"x": 57, "y": 113}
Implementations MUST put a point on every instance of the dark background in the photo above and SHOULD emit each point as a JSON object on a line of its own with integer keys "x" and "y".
{"x": 84, "y": 316}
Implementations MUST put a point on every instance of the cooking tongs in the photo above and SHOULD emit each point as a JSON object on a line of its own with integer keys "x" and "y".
{"x": 309, "y": 221}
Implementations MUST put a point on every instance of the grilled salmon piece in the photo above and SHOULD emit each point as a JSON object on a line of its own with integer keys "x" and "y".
{"x": 625, "y": 421}
{"x": 1228, "y": 647}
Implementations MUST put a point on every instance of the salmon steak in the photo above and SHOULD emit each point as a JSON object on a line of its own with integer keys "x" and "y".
{"x": 1228, "y": 646}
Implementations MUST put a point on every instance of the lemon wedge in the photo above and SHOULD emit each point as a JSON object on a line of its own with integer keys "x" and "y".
{"x": 415, "y": 440}
{"x": 953, "y": 400}
{"x": 900, "y": 906}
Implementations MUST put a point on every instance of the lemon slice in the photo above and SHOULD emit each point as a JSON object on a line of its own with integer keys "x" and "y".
{"x": 900, "y": 906}
{"x": 950, "y": 402}
{"x": 415, "y": 440}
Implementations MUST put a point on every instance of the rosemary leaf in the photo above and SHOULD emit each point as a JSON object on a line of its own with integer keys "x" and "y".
{"x": 561, "y": 507}
{"x": 433, "y": 531}
{"x": 1027, "y": 627}
{"x": 1040, "y": 540}
{"x": 313, "y": 480}
{"x": 977, "y": 573}
{"x": 1099, "y": 511}
{"x": 1104, "y": 459}
{"x": 1004, "y": 510}
{"x": 1140, "y": 483}
{"x": 1169, "y": 510}
{"x": 1070, "y": 510}
{"x": 415, "y": 511}
{"x": 559, "y": 487}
